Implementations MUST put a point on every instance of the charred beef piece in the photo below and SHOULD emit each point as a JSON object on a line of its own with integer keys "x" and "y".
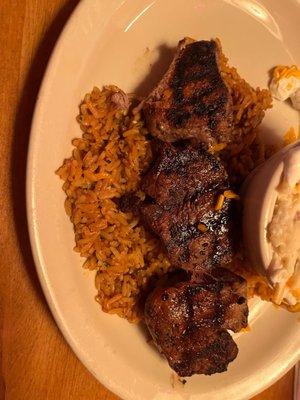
{"x": 187, "y": 246}
{"x": 191, "y": 100}
{"x": 181, "y": 170}
{"x": 184, "y": 185}
{"x": 188, "y": 321}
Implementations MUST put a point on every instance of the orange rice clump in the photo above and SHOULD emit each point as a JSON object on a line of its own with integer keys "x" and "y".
{"x": 107, "y": 162}
{"x": 249, "y": 106}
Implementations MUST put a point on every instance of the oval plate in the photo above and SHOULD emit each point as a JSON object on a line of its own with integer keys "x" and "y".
{"x": 129, "y": 43}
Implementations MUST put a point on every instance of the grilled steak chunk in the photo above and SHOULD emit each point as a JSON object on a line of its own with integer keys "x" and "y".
{"x": 188, "y": 247}
{"x": 181, "y": 170}
{"x": 184, "y": 185}
{"x": 188, "y": 321}
{"x": 191, "y": 100}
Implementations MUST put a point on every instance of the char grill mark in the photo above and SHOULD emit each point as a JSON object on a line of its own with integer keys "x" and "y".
{"x": 184, "y": 184}
{"x": 188, "y": 321}
{"x": 203, "y": 102}
{"x": 191, "y": 101}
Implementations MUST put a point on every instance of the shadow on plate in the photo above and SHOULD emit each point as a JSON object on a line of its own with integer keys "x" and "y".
{"x": 143, "y": 330}
{"x": 157, "y": 70}
{"x": 22, "y": 132}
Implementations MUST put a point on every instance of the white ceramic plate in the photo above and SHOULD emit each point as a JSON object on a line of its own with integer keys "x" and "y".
{"x": 117, "y": 41}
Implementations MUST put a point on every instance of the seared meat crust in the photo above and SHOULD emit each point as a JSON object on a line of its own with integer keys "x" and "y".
{"x": 188, "y": 321}
{"x": 191, "y": 100}
{"x": 183, "y": 186}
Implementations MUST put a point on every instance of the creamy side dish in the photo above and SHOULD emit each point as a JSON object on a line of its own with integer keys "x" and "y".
{"x": 283, "y": 233}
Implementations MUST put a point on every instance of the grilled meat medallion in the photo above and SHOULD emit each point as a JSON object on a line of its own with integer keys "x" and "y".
{"x": 180, "y": 170}
{"x": 191, "y": 100}
{"x": 183, "y": 185}
{"x": 188, "y": 321}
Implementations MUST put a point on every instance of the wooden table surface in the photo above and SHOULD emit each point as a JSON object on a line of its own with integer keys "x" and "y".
{"x": 36, "y": 362}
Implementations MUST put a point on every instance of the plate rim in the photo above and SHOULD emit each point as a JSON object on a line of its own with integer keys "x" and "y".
{"x": 33, "y": 234}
